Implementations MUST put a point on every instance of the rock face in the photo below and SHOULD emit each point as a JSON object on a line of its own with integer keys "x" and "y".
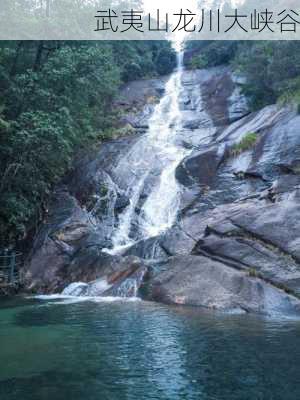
{"x": 199, "y": 281}
{"x": 124, "y": 282}
{"x": 137, "y": 101}
{"x": 235, "y": 244}
{"x": 200, "y": 168}
{"x": 82, "y": 213}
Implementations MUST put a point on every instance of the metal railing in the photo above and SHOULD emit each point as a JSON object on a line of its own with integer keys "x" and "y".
{"x": 10, "y": 263}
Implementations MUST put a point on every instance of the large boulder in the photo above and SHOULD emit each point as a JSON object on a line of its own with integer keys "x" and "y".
{"x": 256, "y": 258}
{"x": 66, "y": 226}
{"x": 149, "y": 249}
{"x": 201, "y": 167}
{"x": 200, "y": 281}
{"x": 91, "y": 264}
{"x": 124, "y": 281}
{"x": 276, "y": 224}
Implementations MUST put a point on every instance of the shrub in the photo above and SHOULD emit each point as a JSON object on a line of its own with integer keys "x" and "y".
{"x": 290, "y": 93}
{"x": 253, "y": 273}
{"x": 56, "y": 98}
{"x": 245, "y": 144}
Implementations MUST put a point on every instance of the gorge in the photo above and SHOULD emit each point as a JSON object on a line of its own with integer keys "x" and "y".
{"x": 199, "y": 205}
{"x": 166, "y": 263}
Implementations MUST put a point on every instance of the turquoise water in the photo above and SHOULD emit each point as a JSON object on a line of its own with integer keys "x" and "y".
{"x": 94, "y": 350}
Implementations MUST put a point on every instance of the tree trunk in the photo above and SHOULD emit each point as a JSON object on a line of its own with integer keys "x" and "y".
{"x": 47, "y": 8}
{"x": 14, "y": 67}
{"x": 38, "y": 58}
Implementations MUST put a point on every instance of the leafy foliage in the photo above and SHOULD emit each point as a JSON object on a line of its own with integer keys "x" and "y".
{"x": 55, "y": 98}
{"x": 247, "y": 142}
{"x": 209, "y": 53}
{"x": 271, "y": 68}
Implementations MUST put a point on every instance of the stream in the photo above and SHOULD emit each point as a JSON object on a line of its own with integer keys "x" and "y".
{"x": 152, "y": 162}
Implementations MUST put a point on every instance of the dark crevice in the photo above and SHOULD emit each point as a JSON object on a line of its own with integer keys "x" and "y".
{"x": 224, "y": 260}
{"x": 240, "y": 266}
{"x": 240, "y": 239}
{"x": 264, "y": 242}
{"x": 244, "y": 233}
{"x": 188, "y": 235}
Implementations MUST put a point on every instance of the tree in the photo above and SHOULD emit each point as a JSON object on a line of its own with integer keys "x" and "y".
{"x": 56, "y": 97}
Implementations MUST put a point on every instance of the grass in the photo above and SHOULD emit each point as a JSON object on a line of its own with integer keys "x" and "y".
{"x": 253, "y": 273}
{"x": 291, "y": 98}
{"x": 291, "y": 94}
{"x": 248, "y": 141}
{"x": 198, "y": 62}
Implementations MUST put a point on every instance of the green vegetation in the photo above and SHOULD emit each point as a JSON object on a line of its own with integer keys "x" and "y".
{"x": 209, "y": 53}
{"x": 56, "y": 98}
{"x": 245, "y": 144}
{"x": 271, "y": 68}
{"x": 253, "y": 273}
{"x": 291, "y": 94}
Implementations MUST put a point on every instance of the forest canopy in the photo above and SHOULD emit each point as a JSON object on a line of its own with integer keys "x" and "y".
{"x": 271, "y": 68}
{"x": 55, "y": 98}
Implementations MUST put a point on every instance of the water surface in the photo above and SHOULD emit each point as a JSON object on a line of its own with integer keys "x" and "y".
{"x": 94, "y": 350}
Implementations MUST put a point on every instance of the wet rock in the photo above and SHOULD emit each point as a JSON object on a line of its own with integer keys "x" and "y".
{"x": 66, "y": 226}
{"x": 284, "y": 184}
{"x": 42, "y": 271}
{"x": 92, "y": 263}
{"x": 177, "y": 242}
{"x": 137, "y": 100}
{"x": 199, "y": 281}
{"x": 251, "y": 255}
{"x": 97, "y": 288}
{"x": 141, "y": 92}
{"x": 76, "y": 289}
{"x": 140, "y": 120}
{"x": 93, "y": 173}
{"x": 276, "y": 224}
{"x": 121, "y": 202}
{"x": 128, "y": 283}
{"x": 223, "y": 98}
{"x": 197, "y": 138}
{"x": 149, "y": 249}
{"x": 192, "y": 123}
{"x": 200, "y": 167}
{"x": 193, "y": 227}
{"x": 237, "y": 103}
{"x": 124, "y": 281}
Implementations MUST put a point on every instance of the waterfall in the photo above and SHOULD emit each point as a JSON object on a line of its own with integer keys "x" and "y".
{"x": 130, "y": 286}
{"x": 75, "y": 289}
{"x": 152, "y": 162}
{"x": 121, "y": 288}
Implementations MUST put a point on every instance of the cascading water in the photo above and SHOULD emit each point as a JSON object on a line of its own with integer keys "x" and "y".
{"x": 152, "y": 161}
{"x": 148, "y": 173}
{"x": 127, "y": 287}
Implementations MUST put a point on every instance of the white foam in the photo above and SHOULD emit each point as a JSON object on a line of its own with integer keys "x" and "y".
{"x": 63, "y": 299}
{"x": 156, "y": 153}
